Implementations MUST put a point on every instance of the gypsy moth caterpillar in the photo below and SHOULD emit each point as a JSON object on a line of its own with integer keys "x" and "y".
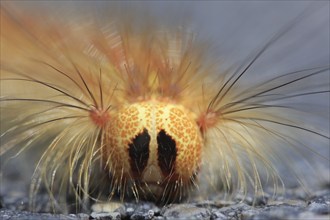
{"x": 148, "y": 110}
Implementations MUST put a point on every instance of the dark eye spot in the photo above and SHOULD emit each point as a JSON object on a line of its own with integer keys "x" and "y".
{"x": 166, "y": 152}
{"x": 139, "y": 152}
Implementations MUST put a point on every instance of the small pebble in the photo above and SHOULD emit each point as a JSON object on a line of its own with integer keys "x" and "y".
{"x": 186, "y": 211}
{"x": 320, "y": 204}
{"x": 105, "y": 215}
{"x": 319, "y": 208}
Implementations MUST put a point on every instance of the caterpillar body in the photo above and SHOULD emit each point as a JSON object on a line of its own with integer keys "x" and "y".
{"x": 141, "y": 112}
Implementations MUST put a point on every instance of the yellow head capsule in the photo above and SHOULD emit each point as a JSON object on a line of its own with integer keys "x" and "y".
{"x": 156, "y": 145}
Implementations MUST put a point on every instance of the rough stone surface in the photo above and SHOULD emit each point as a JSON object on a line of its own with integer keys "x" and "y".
{"x": 6, "y": 214}
{"x": 292, "y": 205}
{"x": 295, "y": 203}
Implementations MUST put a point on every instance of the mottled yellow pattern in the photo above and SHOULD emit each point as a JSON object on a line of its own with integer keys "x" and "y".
{"x": 177, "y": 121}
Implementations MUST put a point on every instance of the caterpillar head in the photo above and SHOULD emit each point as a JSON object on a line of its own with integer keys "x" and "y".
{"x": 154, "y": 146}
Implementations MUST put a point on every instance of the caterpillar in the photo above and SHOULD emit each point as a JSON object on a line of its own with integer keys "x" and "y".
{"x": 127, "y": 109}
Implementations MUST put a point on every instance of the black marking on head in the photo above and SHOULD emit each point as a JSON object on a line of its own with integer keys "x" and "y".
{"x": 139, "y": 152}
{"x": 166, "y": 152}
